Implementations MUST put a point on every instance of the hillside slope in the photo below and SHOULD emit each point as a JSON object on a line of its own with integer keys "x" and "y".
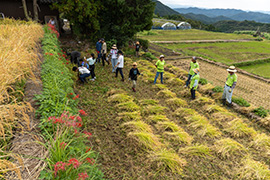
{"x": 163, "y": 10}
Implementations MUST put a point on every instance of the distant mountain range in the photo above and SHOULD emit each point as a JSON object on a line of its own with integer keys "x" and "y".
{"x": 226, "y": 14}
{"x": 163, "y": 10}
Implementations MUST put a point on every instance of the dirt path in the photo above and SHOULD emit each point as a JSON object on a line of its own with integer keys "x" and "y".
{"x": 254, "y": 91}
{"x": 203, "y": 41}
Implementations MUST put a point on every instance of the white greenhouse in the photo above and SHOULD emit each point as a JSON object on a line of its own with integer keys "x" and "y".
{"x": 168, "y": 26}
{"x": 183, "y": 25}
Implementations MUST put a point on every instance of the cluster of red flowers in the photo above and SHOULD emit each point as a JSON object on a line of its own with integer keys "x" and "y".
{"x": 53, "y": 29}
{"x": 82, "y": 112}
{"x": 63, "y": 145}
{"x": 82, "y": 176}
{"x": 90, "y": 160}
{"x": 59, "y": 166}
{"x": 88, "y": 134}
{"x": 75, "y": 97}
{"x": 70, "y": 121}
{"x": 51, "y": 54}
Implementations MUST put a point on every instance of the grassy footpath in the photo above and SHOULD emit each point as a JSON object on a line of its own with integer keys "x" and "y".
{"x": 158, "y": 133}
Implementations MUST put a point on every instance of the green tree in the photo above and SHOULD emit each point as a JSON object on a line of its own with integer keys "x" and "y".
{"x": 122, "y": 19}
{"x": 82, "y": 14}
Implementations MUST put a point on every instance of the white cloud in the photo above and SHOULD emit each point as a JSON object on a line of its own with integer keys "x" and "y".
{"x": 224, "y": 4}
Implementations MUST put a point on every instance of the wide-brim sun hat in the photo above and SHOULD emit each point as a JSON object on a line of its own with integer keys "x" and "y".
{"x": 231, "y": 69}
{"x": 196, "y": 70}
{"x": 114, "y": 46}
{"x": 161, "y": 56}
{"x": 134, "y": 64}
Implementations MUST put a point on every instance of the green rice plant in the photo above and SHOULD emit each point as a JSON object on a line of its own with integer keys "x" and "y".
{"x": 158, "y": 110}
{"x": 196, "y": 150}
{"x": 127, "y": 116}
{"x": 175, "y": 103}
{"x": 156, "y": 118}
{"x": 146, "y": 140}
{"x": 228, "y": 147}
{"x": 146, "y": 102}
{"x": 115, "y": 91}
{"x": 261, "y": 142}
{"x": 261, "y": 112}
{"x": 214, "y": 108}
{"x": 138, "y": 126}
{"x": 200, "y": 101}
{"x": 179, "y": 137}
{"x": 237, "y": 128}
{"x": 166, "y": 94}
{"x": 168, "y": 126}
{"x": 165, "y": 160}
{"x": 128, "y": 106}
{"x": 160, "y": 86}
{"x": 203, "y": 81}
{"x": 184, "y": 112}
{"x": 240, "y": 101}
{"x": 206, "y": 88}
{"x": 176, "y": 82}
{"x": 120, "y": 98}
{"x": 251, "y": 169}
{"x": 217, "y": 89}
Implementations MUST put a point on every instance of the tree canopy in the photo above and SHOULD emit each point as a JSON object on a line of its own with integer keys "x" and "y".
{"x": 111, "y": 19}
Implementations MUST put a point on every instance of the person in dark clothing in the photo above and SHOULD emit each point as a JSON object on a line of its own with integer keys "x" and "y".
{"x": 74, "y": 57}
{"x": 137, "y": 48}
{"x": 133, "y": 74}
{"x": 98, "y": 49}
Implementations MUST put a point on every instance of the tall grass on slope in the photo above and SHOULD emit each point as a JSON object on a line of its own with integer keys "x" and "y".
{"x": 165, "y": 160}
{"x": 196, "y": 150}
{"x": 237, "y": 128}
{"x": 137, "y": 126}
{"x": 252, "y": 169}
{"x": 261, "y": 142}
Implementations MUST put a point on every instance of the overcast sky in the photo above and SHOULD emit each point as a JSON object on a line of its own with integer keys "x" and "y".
{"x": 251, "y": 5}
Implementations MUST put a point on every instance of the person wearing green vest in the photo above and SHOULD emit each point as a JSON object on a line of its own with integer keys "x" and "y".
{"x": 193, "y": 65}
{"x": 160, "y": 69}
{"x": 229, "y": 86}
{"x": 194, "y": 82}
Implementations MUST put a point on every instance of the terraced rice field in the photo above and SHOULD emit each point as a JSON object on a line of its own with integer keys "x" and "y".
{"x": 259, "y": 69}
{"x": 159, "y": 133}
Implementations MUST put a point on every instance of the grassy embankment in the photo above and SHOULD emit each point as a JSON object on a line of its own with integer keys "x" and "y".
{"x": 158, "y": 133}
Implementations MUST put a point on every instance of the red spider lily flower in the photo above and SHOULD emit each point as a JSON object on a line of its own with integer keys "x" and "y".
{"x": 63, "y": 145}
{"x": 82, "y": 176}
{"x": 88, "y": 134}
{"x": 63, "y": 63}
{"x": 82, "y": 112}
{"x": 74, "y": 162}
{"x": 87, "y": 150}
{"x": 76, "y": 97}
{"x": 51, "y": 54}
{"x": 62, "y": 72}
{"x": 46, "y": 53}
{"x": 72, "y": 117}
{"x": 90, "y": 160}
{"x": 75, "y": 131}
{"x": 70, "y": 93}
{"x": 78, "y": 124}
{"x": 55, "y": 46}
{"x": 59, "y": 166}
{"x": 67, "y": 59}
{"x": 79, "y": 118}
{"x": 67, "y": 62}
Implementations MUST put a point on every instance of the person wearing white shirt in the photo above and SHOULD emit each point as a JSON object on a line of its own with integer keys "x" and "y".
{"x": 91, "y": 61}
{"x": 83, "y": 73}
{"x": 120, "y": 65}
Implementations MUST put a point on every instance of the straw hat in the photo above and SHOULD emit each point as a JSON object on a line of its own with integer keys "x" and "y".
{"x": 161, "y": 56}
{"x": 196, "y": 70}
{"x": 114, "y": 46}
{"x": 134, "y": 64}
{"x": 232, "y": 69}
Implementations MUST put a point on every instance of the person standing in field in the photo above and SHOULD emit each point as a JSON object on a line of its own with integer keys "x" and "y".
{"x": 104, "y": 52}
{"x": 194, "y": 82}
{"x": 229, "y": 86}
{"x": 193, "y": 65}
{"x": 120, "y": 65}
{"x": 113, "y": 54}
{"x": 137, "y": 48}
{"x": 91, "y": 61}
{"x": 98, "y": 49}
{"x": 133, "y": 74}
{"x": 160, "y": 69}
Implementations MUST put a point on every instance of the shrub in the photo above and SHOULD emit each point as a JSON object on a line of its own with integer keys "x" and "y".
{"x": 261, "y": 112}
{"x": 111, "y": 42}
{"x": 218, "y": 89}
{"x": 240, "y": 101}
{"x": 203, "y": 81}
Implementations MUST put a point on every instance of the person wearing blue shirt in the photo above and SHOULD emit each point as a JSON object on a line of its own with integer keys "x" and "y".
{"x": 98, "y": 49}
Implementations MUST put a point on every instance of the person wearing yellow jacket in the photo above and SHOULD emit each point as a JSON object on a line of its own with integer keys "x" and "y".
{"x": 194, "y": 82}
{"x": 193, "y": 65}
{"x": 229, "y": 86}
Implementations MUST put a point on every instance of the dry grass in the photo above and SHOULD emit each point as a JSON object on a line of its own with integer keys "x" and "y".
{"x": 175, "y": 103}
{"x": 164, "y": 94}
{"x": 228, "y": 148}
{"x": 138, "y": 126}
{"x": 146, "y": 140}
{"x": 179, "y": 137}
{"x": 156, "y": 118}
{"x": 261, "y": 142}
{"x": 237, "y": 128}
{"x": 127, "y": 116}
{"x": 185, "y": 112}
{"x": 214, "y": 108}
{"x": 252, "y": 169}
{"x": 200, "y": 101}
{"x": 222, "y": 117}
{"x": 160, "y": 86}
{"x": 120, "y": 98}
{"x": 176, "y": 82}
{"x": 146, "y": 102}
{"x": 157, "y": 110}
{"x": 168, "y": 126}
{"x": 115, "y": 91}
{"x": 129, "y": 106}
{"x": 206, "y": 88}
{"x": 165, "y": 160}
{"x": 196, "y": 150}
